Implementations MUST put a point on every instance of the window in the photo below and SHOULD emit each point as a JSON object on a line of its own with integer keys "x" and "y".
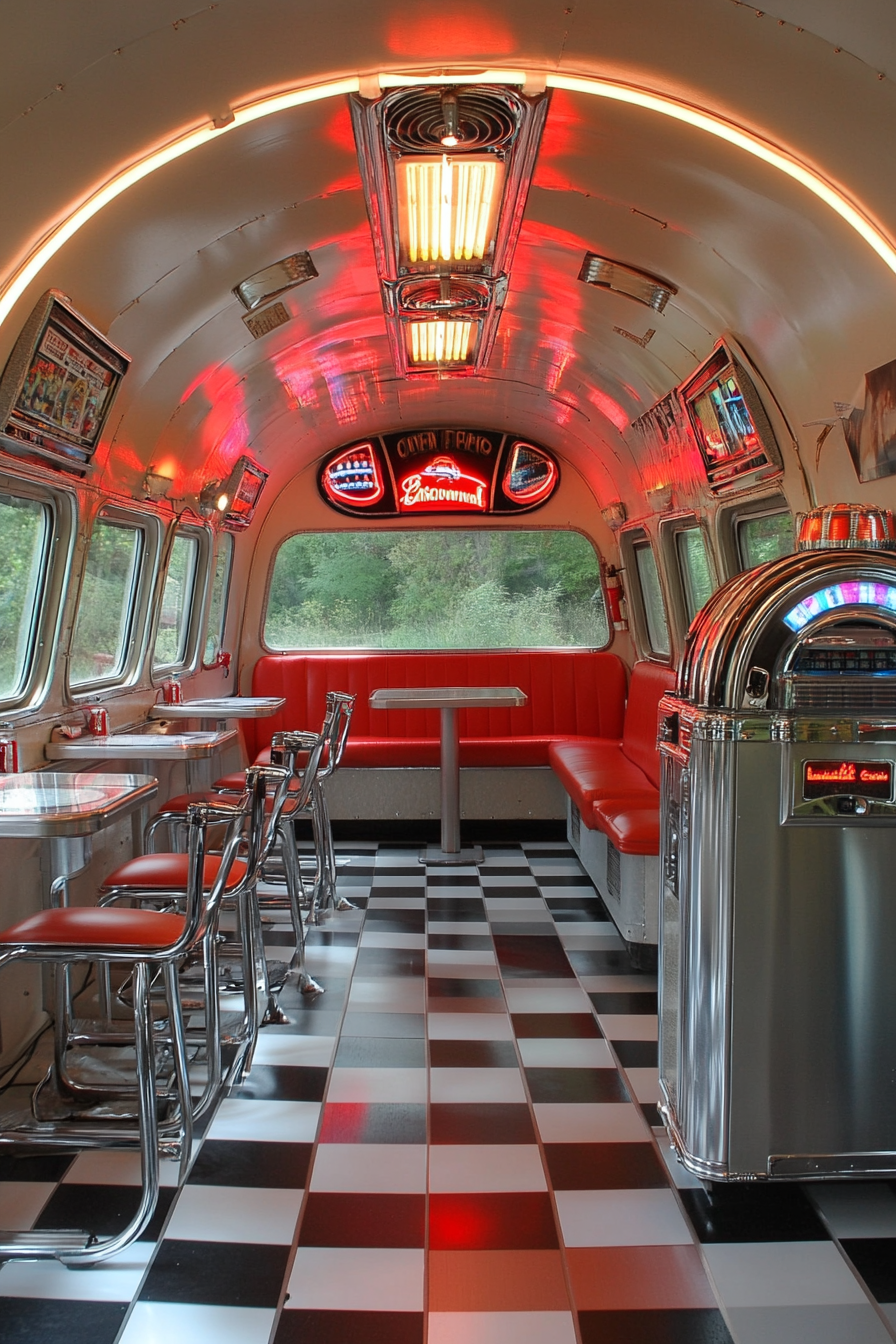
{"x": 217, "y": 609}
{"x": 178, "y": 597}
{"x": 26, "y": 527}
{"x": 697, "y": 580}
{"x": 763, "y": 537}
{"x": 105, "y": 622}
{"x": 436, "y": 589}
{"x": 657, "y": 626}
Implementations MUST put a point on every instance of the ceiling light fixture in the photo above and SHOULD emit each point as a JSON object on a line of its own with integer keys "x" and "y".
{"x": 628, "y": 280}
{"x": 445, "y": 220}
{"x": 275, "y": 280}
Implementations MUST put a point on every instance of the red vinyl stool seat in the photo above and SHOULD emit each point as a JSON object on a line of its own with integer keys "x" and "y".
{"x": 168, "y": 872}
{"x": 96, "y": 926}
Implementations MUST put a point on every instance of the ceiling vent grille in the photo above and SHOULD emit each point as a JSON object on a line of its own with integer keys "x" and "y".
{"x": 648, "y": 289}
{"x": 416, "y": 120}
{"x": 446, "y": 295}
{"x": 275, "y": 279}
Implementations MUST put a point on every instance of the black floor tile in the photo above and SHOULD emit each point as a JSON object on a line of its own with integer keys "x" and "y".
{"x": 535, "y": 852}
{"x": 268, "y": 1082}
{"x": 540, "y": 956}
{"x": 383, "y": 1024}
{"x": 472, "y": 1055}
{"x": 612, "y": 962}
{"x": 605, "y": 1166}
{"x": 553, "y": 1085}
{"x": 103, "y": 1210}
{"x": 389, "y": 961}
{"x": 397, "y": 893}
{"x": 748, "y": 1212}
{"x": 460, "y": 942}
{"x": 391, "y": 1052}
{"x": 349, "y": 1327}
{"x": 435, "y": 879}
{"x": 380, "y": 1122}
{"x": 279, "y": 938}
{"x": 637, "y": 1054}
{"x": 634, "y": 1002}
{"x": 651, "y": 1114}
{"x": 445, "y": 987}
{"x": 480, "y": 1122}
{"x": 564, "y": 880}
{"x": 395, "y": 921}
{"x": 219, "y": 1273}
{"x": 492, "y": 1222}
{"x": 35, "y": 1167}
{"x": 387, "y": 1220}
{"x": 875, "y": 1259}
{"x": 449, "y": 905}
{"x": 527, "y": 928}
{"x": 330, "y": 938}
{"x": 694, "y": 1326}
{"x": 554, "y": 1025}
{"x": 242, "y": 1162}
{"x": 509, "y": 870}
{"x": 525, "y": 890}
{"x": 30, "y": 1320}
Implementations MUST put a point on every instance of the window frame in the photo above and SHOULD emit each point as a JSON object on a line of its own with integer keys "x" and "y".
{"x": 630, "y": 541}
{"x": 729, "y": 520}
{"x": 670, "y": 530}
{"x": 361, "y": 648}
{"x": 221, "y": 538}
{"x": 138, "y": 635}
{"x": 195, "y": 625}
{"x": 37, "y": 677}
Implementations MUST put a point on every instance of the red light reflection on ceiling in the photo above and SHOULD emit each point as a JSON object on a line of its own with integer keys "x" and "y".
{"x": 443, "y": 487}
{"x": 338, "y": 130}
{"x": 616, "y": 414}
{"x": 463, "y": 30}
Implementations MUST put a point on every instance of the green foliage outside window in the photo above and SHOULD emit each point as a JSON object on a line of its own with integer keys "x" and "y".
{"x": 435, "y": 589}
{"x": 99, "y": 642}
{"x": 24, "y": 535}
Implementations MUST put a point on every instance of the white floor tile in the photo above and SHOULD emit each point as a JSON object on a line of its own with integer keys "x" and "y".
{"x": 21, "y": 1202}
{"x": 500, "y": 1327}
{"x": 855, "y": 1210}
{"x": 476, "y": 1085}
{"x": 618, "y": 984}
{"x": 442, "y": 962}
{"x": 570, "y": 1000}
{"x": 356, "y": 1278}
{"x": 644, "y": 1083}
{"x": 370, "y": 1168}
{"x": 621, "y": 1218}
{"x": 782, "y": 1274}
{"x": 808, "y": 1325}
{"x": 590, "y": 1122}
{"x": 469, "y": 1027}
{"x": 681, "y": 1177}
{"x": 409, "y": 940}
{"x": 229, "y": 1213}
{"x": 458, "y": 1168}
{"x": 164, "y": 1322}
{"x": 116, "y": 1280}
{"x": 628, "y": 1026}
{"x": 495, "y": 904}
{"x": 522, "y": 879}
{"x": 543, "y": 1052}
{"x": 269, "y": 1121}
{"x": 365, "y": 1086}
{"x": 396, "y": 902}
{"x": 303, "y": 1051}
{"x": 388, "y": 995}
{"x": 508, "y": 912}
{"x": 474, "y": 926}
{"x": 107, "y": 1167}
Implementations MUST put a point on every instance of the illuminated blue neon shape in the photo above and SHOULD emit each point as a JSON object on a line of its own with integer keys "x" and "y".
{"x": 853, "y": 594}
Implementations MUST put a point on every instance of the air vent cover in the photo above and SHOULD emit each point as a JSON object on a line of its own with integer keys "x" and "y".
{"x": 606, "y": 274}
{"x": 276, "y": 279}
{"x": 414, "y": 119}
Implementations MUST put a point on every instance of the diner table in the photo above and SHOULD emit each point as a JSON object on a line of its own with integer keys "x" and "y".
{"x": 448, "y": 700}
{"x": 220, "y": 710}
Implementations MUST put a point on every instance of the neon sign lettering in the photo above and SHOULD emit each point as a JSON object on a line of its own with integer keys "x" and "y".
{"x": 822, "y": 778}
{"x": 354, "y": 477}
{"x": 442, "y": 486}
{"x": 840, "y": 595}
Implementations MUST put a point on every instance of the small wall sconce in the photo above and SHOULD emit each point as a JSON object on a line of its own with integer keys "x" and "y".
{"x": 659, "y": 498}
{"x": 155, "y": 485}
{"x": 614, "y": 515}
{"x": 214, "y": 498}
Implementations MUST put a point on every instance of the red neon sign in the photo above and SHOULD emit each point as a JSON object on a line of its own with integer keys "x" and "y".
{"x": 354, "y": 477}
{"x": 874, "y": 778}
{"x": 443, "y": 487}
{"x": 530, "y": 476}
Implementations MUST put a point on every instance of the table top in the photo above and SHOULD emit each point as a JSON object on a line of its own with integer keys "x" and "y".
{"x": 41, "y": 804}
{"x": 225, "y": 707}
{"x": 141, "y": 746}
{"x": 447, "y": 697}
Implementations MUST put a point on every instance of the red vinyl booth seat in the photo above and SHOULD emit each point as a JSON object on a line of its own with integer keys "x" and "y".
{"x": 615, "y": 785}
{"x": 571, "y": 693}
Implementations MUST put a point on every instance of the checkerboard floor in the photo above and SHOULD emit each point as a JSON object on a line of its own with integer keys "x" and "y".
{"x": 456, "y": 1143}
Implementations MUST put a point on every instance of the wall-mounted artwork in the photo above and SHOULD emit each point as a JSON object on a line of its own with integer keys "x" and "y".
{"x": 870, "y": 429}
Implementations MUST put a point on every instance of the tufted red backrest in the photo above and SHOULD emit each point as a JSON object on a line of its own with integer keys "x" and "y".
{"x": 569, "y": 691}
{"x": 649, "y": 683}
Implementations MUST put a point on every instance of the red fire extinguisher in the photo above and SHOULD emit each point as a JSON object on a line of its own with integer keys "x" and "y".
{"x": 616, "y": 599}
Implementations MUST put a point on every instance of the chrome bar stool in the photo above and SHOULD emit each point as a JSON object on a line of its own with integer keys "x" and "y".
{"x": 153, "y": 943}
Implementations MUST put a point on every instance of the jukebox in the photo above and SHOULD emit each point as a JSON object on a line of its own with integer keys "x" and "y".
{"x": 778, "y": 866}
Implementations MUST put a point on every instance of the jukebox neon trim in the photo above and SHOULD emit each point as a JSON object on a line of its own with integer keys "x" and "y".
{"x": 822, "y": 779}
{"x": 840, "y": 595}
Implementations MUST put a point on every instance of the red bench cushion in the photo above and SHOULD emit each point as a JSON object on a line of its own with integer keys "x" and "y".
{"x": 595, "y": 769}
{"x": 649, "y": 683}
{"x": 632, "y": 824}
